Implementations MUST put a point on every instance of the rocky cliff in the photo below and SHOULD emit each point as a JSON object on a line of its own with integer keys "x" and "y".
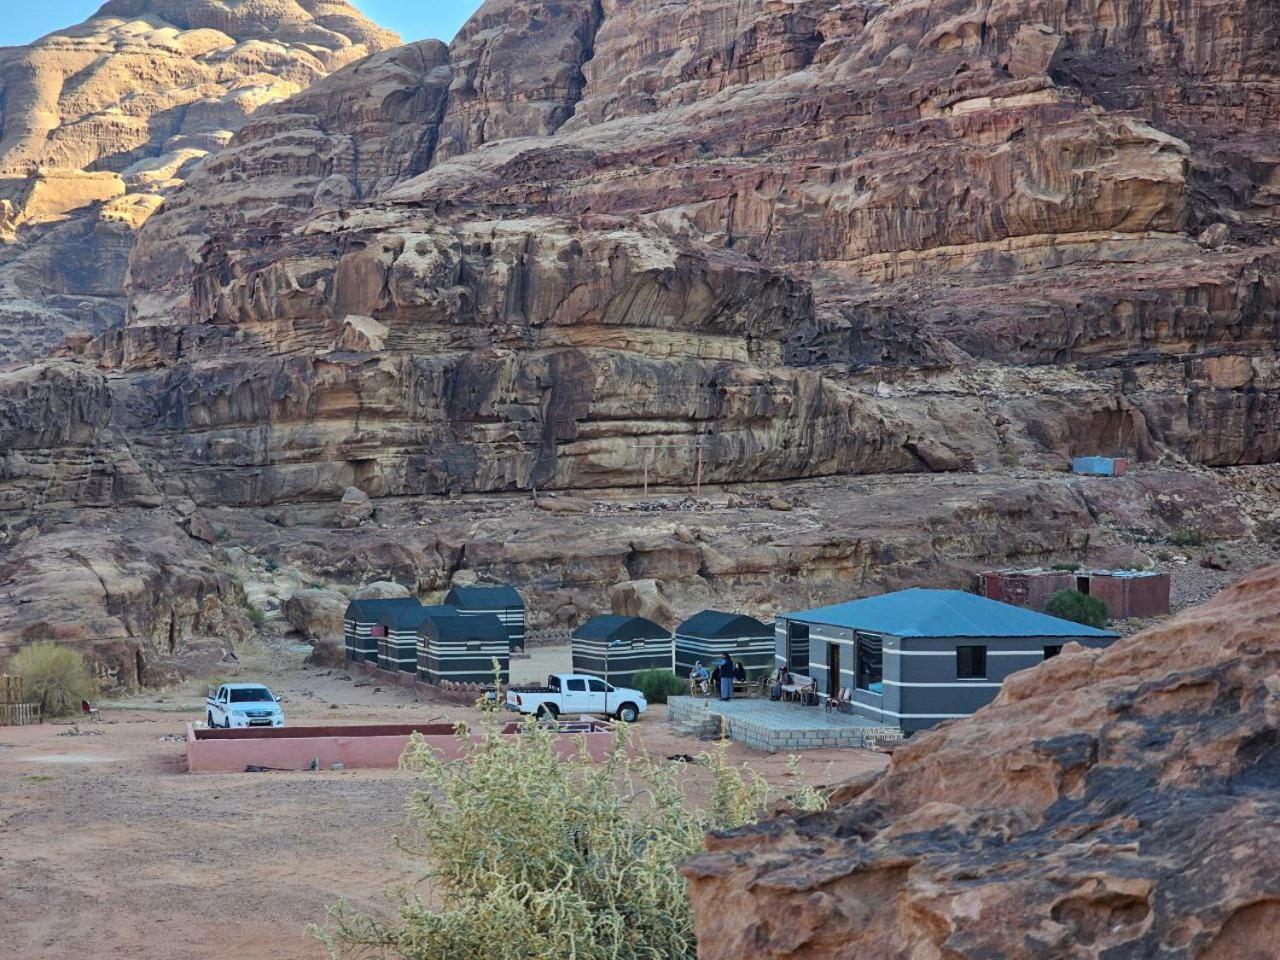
{"x": 101, "y": 121}
{"x": 593, "y": 244}
{"x": 1115, "y": 803}
{"x": 774, "y": 239}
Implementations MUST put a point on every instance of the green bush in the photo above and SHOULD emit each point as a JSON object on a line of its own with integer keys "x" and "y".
{"x": 1069, "y": 567}
{"x": 56, "y": 677}
{"x": 529, "y": 855}
{"x": 1185, "y": 537}
{"x": 1077, "y": 607}
{"x": 657, "y": 685}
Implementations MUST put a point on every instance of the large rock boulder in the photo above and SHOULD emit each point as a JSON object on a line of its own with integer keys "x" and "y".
{"x": 316, "y": 612}
{"x": 642, "y": 598}
{"x": 380, "y": 590}
{"x": 1117, "y": 803}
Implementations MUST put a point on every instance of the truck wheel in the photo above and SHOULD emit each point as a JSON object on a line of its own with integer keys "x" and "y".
{"x": 628, "y": 713}
{"x": 210, "y": 719}
{"x": 548, "y": 711}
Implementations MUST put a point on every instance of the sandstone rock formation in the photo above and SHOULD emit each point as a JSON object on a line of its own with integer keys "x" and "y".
{"x": 101, "y": 121}
{"x": 1108, "y": 804}
{"x": 741, "y": 242}
{"x": 595, "y": 245}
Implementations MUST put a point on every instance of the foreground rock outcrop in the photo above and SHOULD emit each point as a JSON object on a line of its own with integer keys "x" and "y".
{"x": 101, "y": 121}
{"x": 1117, "y": 803}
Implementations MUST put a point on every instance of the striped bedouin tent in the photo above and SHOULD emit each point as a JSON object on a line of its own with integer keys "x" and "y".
{"x": 503, "y": 602}
{"x": 362, "y": 627}
{"x": 398, "y": 645}
{"x": 709, "y": 635}
{"x": 615, "y": 648}
{"x": 462, "y": 648}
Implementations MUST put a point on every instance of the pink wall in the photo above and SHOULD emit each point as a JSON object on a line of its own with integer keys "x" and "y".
{"x": 355, "y": 747}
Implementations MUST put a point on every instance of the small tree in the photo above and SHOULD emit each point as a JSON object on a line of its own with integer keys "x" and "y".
{"x": 56, "y": 677}
{"x": 1077, "y": 607}
{"x": 658, "y": 685}
{"x": 530, "y": 855}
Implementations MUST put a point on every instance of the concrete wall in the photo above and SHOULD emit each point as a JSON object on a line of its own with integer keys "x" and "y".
{"x": 355, "y": 747}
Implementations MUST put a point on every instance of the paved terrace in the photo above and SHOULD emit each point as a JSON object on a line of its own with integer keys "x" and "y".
{"x": 775, "y": 726}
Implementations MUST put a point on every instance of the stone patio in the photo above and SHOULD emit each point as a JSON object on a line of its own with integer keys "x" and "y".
{"x": 774, "y": 726}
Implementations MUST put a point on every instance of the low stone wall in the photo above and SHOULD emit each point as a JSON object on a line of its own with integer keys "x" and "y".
{"x": 463, "y": 694}
{"x": 354, "y": 747}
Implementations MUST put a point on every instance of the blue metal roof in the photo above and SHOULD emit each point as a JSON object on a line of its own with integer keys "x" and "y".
{"x": 942, "y": 613}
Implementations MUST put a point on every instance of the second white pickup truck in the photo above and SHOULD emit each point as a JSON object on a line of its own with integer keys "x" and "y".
{"x": 573, "y": 693}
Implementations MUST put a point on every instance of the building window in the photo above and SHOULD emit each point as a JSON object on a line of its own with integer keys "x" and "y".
{"x": 1052, "y": 650}
{"x": 870, "y": 668}
{"x": 971, "y": 663}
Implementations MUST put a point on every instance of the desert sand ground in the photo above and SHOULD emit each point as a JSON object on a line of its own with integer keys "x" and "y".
{"x": 110, "y": 849}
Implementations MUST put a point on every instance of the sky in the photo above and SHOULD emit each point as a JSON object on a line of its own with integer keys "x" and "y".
{"x": 22, "y": 21}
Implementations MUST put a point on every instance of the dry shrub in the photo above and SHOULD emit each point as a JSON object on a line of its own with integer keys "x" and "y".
{"x": 56, "y": 677}
{"x": 530, "y": 857}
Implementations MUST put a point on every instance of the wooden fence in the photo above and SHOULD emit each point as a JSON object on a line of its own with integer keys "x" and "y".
{"x": 19, "y": 714}
{"x": 13, "y": 711}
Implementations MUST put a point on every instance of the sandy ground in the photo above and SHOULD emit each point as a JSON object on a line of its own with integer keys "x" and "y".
{"x": 109, "y": 848}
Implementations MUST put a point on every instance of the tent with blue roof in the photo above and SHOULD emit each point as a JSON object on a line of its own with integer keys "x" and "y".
{"x": 916, "y": 657}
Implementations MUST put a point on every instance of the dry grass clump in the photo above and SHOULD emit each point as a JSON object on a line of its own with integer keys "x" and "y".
{"x": 54, "y": 676}
{"x": 531, "y": 857}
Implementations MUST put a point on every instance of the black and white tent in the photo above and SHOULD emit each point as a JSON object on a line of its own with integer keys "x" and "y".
{"x": 503, "y": 602}
{"x": 616, "y": 648}
{"x": 708, "y": 635}
{"x": 362, "y": 627}
{"x": 462, "y": 648}
{"x": 398, "y": 645}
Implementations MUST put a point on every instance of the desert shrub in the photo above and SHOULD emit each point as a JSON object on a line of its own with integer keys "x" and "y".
{"x": 256, "y": 616}
{"x": 56, "y": 677}
{"x": 1069, "y": 567}
{"x": 528, "y": 855}
{"x": 657, "y": 685}
{"x": 1185, "y": 537}
{"x": 801, "y": 796}
{"x": 1077, "y": 607}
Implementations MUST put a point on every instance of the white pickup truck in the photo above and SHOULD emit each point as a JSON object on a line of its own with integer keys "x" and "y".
{"x": 573, "y": 693}
{"x": 243, "y": 705}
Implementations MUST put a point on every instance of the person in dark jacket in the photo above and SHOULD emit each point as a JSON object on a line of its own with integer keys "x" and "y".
{"x": 739, "y": 672}
{"x": 725, "y": 669}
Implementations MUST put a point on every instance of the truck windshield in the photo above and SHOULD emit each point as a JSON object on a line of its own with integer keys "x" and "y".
{"x": 252, "y": 695}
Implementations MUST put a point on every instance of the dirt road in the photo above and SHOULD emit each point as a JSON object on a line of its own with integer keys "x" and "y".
{"x": 110, "y": 849}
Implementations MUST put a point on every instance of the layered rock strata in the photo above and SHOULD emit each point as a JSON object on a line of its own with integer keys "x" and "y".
{"x": 772, "y": 239}
{"x": 99, "y": 122}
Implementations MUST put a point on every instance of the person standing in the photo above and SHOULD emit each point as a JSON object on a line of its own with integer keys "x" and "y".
{"x": 725, "y": 669}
